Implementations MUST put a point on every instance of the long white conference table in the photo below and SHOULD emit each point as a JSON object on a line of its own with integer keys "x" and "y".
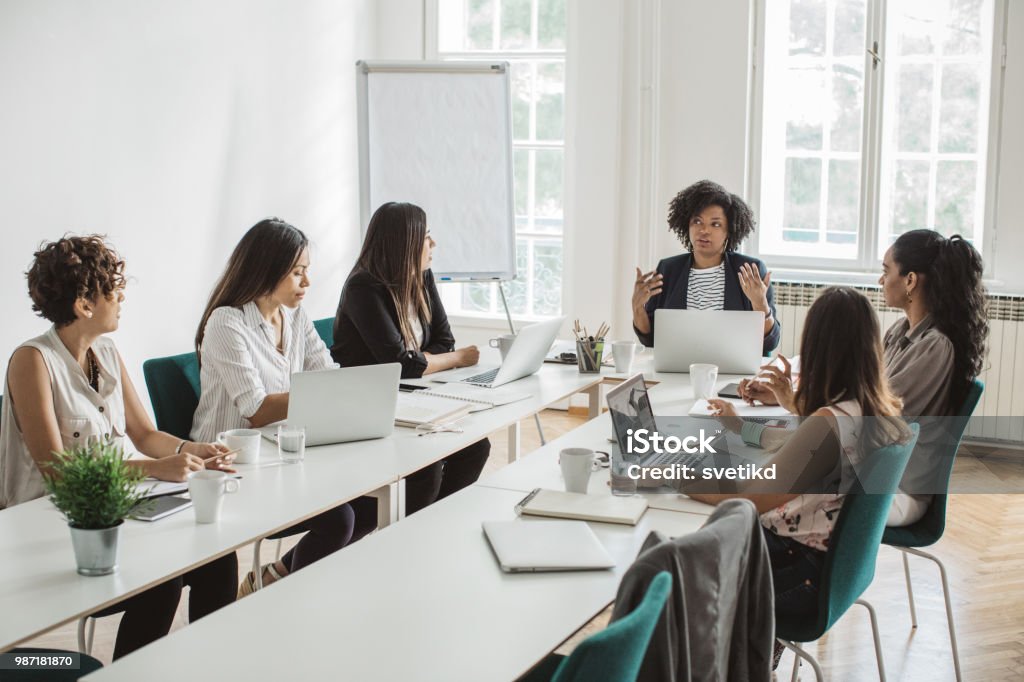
{"x": 423, "y": 599}
{"x": 40, "y": 590}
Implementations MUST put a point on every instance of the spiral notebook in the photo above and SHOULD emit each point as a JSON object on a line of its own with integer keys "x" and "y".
{"x": 479, "y": 398}
{"x": 602, "y": 508}
{"x": 416, "y": 409}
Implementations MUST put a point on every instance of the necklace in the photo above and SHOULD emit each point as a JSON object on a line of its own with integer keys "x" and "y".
{"x": 94, "y": 372}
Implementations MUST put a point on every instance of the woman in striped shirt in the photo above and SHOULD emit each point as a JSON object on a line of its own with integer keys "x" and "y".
{"x": 253, "y": 335}
{"x": 711, "y": 223}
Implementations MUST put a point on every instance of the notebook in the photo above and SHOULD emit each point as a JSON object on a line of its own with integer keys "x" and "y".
{"x": 416, "y": 409}
{"x": 602, "y": 508}
{"x": 481, "y": 398}
{"x": 531, "y": 546}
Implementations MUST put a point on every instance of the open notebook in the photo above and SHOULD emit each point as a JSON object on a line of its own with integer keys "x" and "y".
{"x": 416, "y": 409}
{"x": 481, "y": 398}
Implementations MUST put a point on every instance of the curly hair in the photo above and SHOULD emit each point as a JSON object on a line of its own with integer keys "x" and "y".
{"x": 955, "y": 296}
{"x": 69, "y": 269}
{"x": 697, "y": 197}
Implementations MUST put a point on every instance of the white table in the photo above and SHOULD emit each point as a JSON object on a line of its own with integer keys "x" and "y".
{"x": 38, "y": 580}
{"x": 421, "y": 600}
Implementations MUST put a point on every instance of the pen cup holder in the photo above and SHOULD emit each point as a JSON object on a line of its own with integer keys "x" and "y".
{"x": 588, "y": 356}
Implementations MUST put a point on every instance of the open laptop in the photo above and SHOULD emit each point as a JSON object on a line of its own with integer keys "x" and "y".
{"x": 533, "y": 546}
{"x": 342, "y": 405}
{"x": 524, "y": 358}
{"x": 731, "y": 339}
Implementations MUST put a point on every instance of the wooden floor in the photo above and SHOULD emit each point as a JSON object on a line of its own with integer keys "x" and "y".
{"x": 983, "y": 549}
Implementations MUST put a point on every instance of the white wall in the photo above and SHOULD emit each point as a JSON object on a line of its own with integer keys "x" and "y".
{"x": 173, "y": 127}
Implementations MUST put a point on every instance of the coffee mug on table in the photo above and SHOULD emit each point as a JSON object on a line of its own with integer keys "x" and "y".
{"x": 246, "y": 441}
{"x": 207, "y": 489}
{"x": 503, "y": 343}
{"x": 622, "y": 354}
{"x": 703, "y": 377}
{"x": 576, "y": 463}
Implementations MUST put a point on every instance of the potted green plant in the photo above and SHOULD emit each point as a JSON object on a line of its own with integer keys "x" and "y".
{"x": 94, "y": 487}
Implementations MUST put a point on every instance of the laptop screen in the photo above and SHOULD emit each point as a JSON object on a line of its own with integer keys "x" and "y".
{"x": 630, "y": 409}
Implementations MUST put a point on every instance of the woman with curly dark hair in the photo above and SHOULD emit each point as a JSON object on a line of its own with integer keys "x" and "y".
{"x": 711, "y": 223}
{"x": 70, "y": 386}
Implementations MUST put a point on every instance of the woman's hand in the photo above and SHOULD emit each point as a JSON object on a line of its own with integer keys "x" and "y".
{"x": 466, "y": 357}
{"x": 755, "y": 288}
{"x": 646, "y": 286}
{"x": 174, "y": 468}
{"x": 780, "y": 383}
{"x": 754, "y": 390}
{"x": 726, "y": 413}
{"x": 212, "y": 454}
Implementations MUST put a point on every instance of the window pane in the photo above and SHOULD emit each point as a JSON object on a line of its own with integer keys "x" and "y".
{"x": 803, "y": 193}
{"x": 958, "y": 113}
{"x": 480, "y": 24}
{"x": 521, "y": 77}
{"x": 517, "y": 291}
{"x": 849, "y": 28}
{"x": 914, "y": 113}
{"x": 550, "y": 24}
{"x": 547, "y": 277}
{"x": 805, "y": 93}
{"x": 548, "y": 188}
{"x": 847, "y": 98}
{"x": 915, "y": 23}
{"x": 550, "y": 101}
{"x": 515, "y": 24}
{"x": 521, "y": 180}
{"x": 963, "y": 35}
{"x": 909, "y": 196}
{"x": 843, "y": 201}
{"x": 807, "y": 27}
{"x": 954, "y": 197}
{"x": 476, "y": 297}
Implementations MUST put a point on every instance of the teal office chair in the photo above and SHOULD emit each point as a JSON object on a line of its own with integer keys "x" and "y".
{"x": 853, "y": 549}
{"x": 615, "y": 653}
{"x": 325, "y": 328}
{"x": 173, "y": 385}
{"x": 928, "y": 530}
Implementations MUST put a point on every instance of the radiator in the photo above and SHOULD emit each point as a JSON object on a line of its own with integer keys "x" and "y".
{"x": 1003, "y": 372}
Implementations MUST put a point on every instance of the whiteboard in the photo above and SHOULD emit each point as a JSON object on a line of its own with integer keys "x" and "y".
{"x": 439, "y": 135}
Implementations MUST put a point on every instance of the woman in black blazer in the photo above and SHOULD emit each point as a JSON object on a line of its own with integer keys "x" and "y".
{"x": 711, "y": 223}
{"x": 390, "y": 311}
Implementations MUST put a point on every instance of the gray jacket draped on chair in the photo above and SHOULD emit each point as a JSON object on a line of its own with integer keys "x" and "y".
{"x": 718, "y": 623}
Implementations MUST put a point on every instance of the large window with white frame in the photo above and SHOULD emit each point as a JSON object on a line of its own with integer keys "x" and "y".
{"x": 874, "y": 121}
{"x": 530, "y": 35}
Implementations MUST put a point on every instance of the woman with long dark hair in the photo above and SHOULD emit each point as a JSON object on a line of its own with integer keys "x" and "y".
{"x": 253, "y": 334}
{"x": 842, "y": 382}
{"x": 390, "y": 311}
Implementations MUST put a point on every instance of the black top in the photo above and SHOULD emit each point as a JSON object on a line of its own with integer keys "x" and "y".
{"x": 366, "y": 329}
{"x": 676, "y": 274}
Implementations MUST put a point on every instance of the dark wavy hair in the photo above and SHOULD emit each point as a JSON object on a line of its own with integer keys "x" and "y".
{"x": 697, "y": 197}
{"x": 952, "y": 271}
{"x": 69, "y": 269}
{"x": 262, "y": 258}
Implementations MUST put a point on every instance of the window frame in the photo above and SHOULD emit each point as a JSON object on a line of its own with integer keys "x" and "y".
{"x": 866, "y": 266}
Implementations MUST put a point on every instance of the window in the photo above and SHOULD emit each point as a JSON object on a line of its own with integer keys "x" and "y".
{"x": 864, "y": 138}
{"x": 530, "y": 35}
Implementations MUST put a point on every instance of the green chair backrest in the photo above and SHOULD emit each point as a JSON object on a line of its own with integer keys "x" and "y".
{"x": 173, "y": 384}
{"x": 615, "y": 653}
{"x": 929, "y": 529}
{"x": 325, "y": 328}
{"x": 853, "y": 546}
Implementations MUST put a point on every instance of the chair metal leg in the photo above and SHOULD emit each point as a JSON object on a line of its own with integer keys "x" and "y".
{"x": 910, "y": 589}
{"x": 81, "y": 634}
{"x": 949, "y": 604}
{"x": 277, "y": 552}
{"x": 90, "y": 634}
{"x": 801, "y": 654}
{"x": 875, "y": 634}
{"x": 257, "y": 569}
{"x": 795, "y": 677}
{"x": 540, "y": 429}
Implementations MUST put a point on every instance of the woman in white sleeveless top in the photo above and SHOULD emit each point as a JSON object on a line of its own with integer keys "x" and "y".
{"x": 842, "y": 382}
{"x": 69, "y": 386}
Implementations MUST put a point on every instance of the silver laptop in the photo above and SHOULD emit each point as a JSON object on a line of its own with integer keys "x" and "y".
{"x": 342, "y": 405}
{"x": 731, "y": 339}
{"x": 524, "y": 358}
{"x": 533, "y": 546}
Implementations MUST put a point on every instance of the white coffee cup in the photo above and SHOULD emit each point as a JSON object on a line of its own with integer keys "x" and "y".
{"x": 207, "y": 489}
{"x": 246, "y": 441}
{"x": 577, "y": 463}
{"x": 503, "y": 343}
{"x": 703, "y": 378}
{"x": 623, "y": 353}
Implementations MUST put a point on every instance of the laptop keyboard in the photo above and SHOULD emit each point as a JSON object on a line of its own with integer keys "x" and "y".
{"x": 669, "y": 458}
{"x": 483, "y": 378}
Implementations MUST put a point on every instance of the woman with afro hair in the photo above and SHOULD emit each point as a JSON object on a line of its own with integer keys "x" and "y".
{"x": 711, "y": 223}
